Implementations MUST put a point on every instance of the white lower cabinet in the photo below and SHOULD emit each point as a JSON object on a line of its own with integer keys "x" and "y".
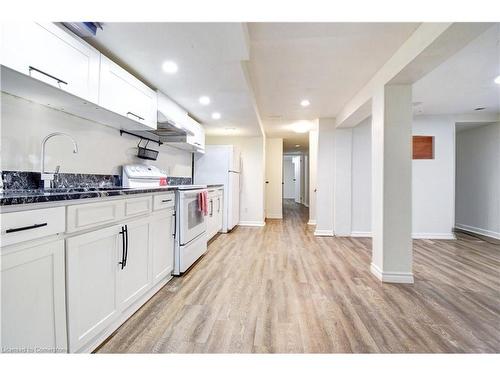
{"x": 33, "y": 303}
{"x": 214, "y": 218}
{"x": 69, "y": 294}
{"x": 91, "y": 267}
{"x": 162, "y": 244}
{"x": 108, "y": 272}
{"x": 134, "y": 277}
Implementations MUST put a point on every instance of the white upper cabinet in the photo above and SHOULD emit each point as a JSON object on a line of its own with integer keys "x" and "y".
{"x": 170, "y": 112}
{"x": 122, "y": 93}
{"x": 198, "y": 137}
{"x": 48, "y": 53}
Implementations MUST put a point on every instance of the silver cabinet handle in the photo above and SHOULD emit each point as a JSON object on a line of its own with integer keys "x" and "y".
{"x": 136, "y": 116}
{"x": 218, "y": 207}
{"x": 166, "y": 200}
{"x": 46, "y": 74}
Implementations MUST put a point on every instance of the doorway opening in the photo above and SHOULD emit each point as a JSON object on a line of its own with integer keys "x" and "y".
{"x": 295, "y": 181}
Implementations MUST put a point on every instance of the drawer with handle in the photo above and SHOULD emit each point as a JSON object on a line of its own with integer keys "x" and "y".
{"x": 163, "y": 201}
{"x": 29, "y": 225}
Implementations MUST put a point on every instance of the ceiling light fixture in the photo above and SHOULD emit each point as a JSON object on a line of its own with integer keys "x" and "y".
{"x": 297, "y": 145}
{"x": 305, "y": 103}
{"x": 169, "y": 67}
{"x": 216, "y": 116}
{"x": 497, "y": 80}
{"x": 204, "y": 100}
{"x": 300, "y": 126}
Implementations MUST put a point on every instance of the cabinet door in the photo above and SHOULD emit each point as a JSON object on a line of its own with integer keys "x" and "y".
{"x": 50, "y": 54}
{"x": 218, "y": 215}
{"x": 91, "y": 266}
{"x": 210, "y": 218}
{"x": 135, "y": 278}
{"x": 121, "y": 92}
{"x": 198, "y": 138}
{"x": 162, "y": 244}
{"x": 33, "y": 301}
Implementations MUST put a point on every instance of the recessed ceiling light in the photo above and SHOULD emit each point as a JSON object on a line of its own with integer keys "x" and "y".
{"x": 305, "y": 103}
{"x": 169, "y": 67}
{"x": 297, "y": 145}
{"x": 497, "y": 80}
{"x": 216, "y": 116}
{"x": 479, "y": 108}
{"x": 204, "y": 100}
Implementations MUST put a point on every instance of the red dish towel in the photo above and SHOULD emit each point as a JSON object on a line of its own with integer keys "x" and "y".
{"x": 203, "y": 202}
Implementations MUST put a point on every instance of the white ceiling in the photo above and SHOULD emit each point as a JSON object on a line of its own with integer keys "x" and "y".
{"x": 465, "y": 81}
{"x": 209, "y": 57}
{"x": 327, "y": 63}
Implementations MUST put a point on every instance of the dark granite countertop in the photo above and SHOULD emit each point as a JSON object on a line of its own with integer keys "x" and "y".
{"x": 215, "y": 186}
{"x": 26, "y": 196}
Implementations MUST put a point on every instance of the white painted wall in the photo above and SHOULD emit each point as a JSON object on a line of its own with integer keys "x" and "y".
{"x": 101, "y": 149}
{"x": 288, "y": 176}
{"x": 342, "y": 182}
{"x": 274, "y": 177}
{"x": 252, "y": 177}
{"x": 325, "y": 177}
{"x": 478, "y": 180}
{"x": 361, "y": 180}
{"x": 433, "y": 184}
{"x": 432, "y": 180}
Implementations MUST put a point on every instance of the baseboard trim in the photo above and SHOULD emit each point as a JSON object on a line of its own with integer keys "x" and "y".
{"x": 361, "y": 234}
{"x": 323, "y": 232}
{"x": 311, "y": 222}
{"x": 274, "y": 217}
{"x": 252, "y": 223}
{"x": 392, "y": 277}
{"x": 417, "y": 236}
{"x": 483, "y": 232}
{"x": 433, "y": 236}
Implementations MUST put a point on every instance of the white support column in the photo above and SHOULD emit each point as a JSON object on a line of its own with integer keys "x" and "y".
{"x": 392, "y": 256}
{"x": 342, "y": 182}
{"x": 313, "y": 169}
{"x": 325, "y": 177}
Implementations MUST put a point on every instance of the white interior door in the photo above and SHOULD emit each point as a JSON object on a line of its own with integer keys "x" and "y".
{"x": 297, "y": 180}
{"x": 288, "y": 179}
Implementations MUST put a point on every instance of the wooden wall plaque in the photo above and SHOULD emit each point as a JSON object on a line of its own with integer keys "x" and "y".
{"x": 423, "y": 147}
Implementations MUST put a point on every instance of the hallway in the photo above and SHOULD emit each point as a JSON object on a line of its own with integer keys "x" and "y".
{"x": 281, "y": 289}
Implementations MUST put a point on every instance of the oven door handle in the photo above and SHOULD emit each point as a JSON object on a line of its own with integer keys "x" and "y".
{"x": 174, "y": 215}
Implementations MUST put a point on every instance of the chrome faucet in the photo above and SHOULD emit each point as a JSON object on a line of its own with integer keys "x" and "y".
{"x": 47, "y": 178}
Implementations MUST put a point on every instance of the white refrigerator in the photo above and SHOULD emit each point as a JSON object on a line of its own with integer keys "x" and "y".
{"x": 221, "y": 165}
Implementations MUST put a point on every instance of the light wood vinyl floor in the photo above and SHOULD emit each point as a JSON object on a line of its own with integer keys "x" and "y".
{"x": 279, "y": 289}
